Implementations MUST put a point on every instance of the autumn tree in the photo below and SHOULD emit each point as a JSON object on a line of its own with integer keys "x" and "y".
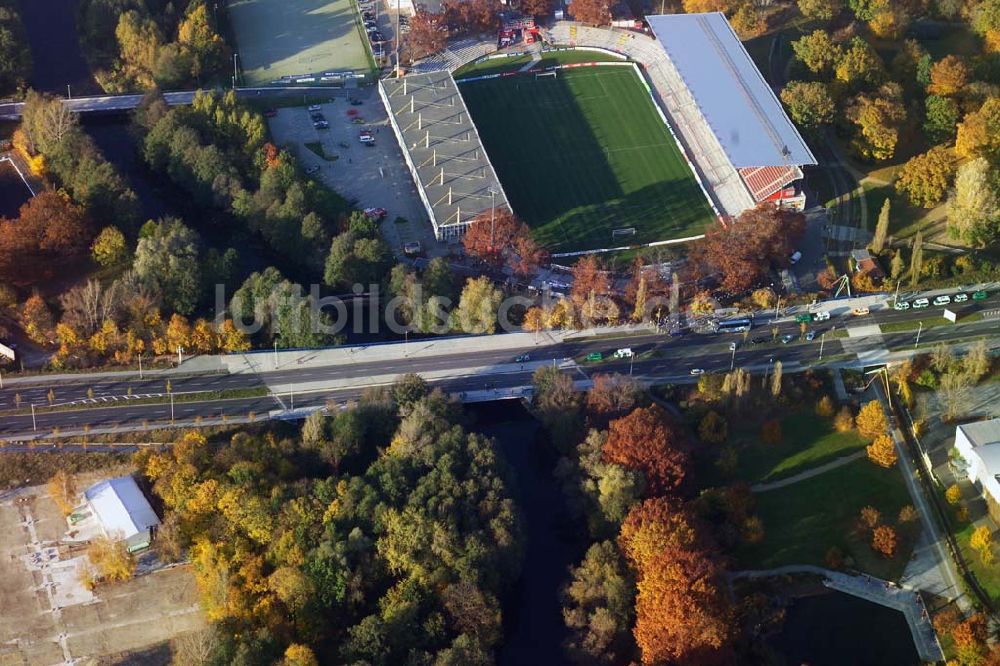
{"x": 36, "y": 319}
{"x": 50, "y": 229}
{"x": 974, "y": 205}
{"x": 884, "y": 541}
{"x": 713, "y": 428}
{"x": 982, "y": 542}
{"x": 879, "y": 118}
{"x": 859, "y": 65}
{"x": 478, "y": 306}
{"x": 742, "y": 252}
{"x": 825, "y": 407}
{"x": 925, "y": 178}
{"x": 890, "y": 21}
{"x": 810, "y": 104}
{"x": 592, "y": 12}
{"x": 62, "y": 490}
{"x": 949, "y": 76}
{"x": 770, "y": 432}
{"x": 499, "y": 238}
{"x": 817, "y": 51}
{"x": 871, "y": 421}
{"x": 428, "y": 33}
{"x": 844, "y": 421}
{"x": 917, "y": 259}
{"x": 612, "y": 396}
{"x": 558, "y": 405}
{"x": 882, "y": 451}
{"x": 820, "y": 10}
{"x": 109, "y": 248}
{"x": 645, "y": 441}
{"x": 881, "y": 234}
{"x": 536, "y": 8}
{"x": 979, "y": 132}
{"x": 111, "y": 559}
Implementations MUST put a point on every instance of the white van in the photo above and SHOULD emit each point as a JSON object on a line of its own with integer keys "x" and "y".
{"x": 624, "y": 352}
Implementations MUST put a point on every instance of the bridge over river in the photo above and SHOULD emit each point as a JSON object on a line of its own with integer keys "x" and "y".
{"x": 121, "y": 103}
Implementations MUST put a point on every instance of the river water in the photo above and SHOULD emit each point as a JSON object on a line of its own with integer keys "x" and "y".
{"x": 13, "y": 192}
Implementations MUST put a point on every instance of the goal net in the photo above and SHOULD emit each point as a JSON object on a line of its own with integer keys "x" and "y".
{"x": 627, "y": 231}
{"x": 541, "y": 75}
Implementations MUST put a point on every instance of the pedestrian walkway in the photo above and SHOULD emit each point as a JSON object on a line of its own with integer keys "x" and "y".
{"x": 808, "y": 474}
{"x": 885, "y": 593}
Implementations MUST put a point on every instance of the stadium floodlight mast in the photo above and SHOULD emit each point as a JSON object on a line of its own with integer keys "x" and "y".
{"x": 493, "y": 215}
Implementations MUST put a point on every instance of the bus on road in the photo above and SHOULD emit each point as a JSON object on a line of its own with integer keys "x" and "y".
{"x": 738, "y": 325}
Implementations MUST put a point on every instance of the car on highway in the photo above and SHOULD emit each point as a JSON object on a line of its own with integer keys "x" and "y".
{"x": 624, "y": 352}
{"x": 980, "y": 296}
{"x": 821, "y": 316}
{"x": 697, "y": 371}
{"x": 944, "y": 299}
{"x": 901, "y": 305}
{"x": 595, "y": 356}
{"x": 523, "y": 358}
{"x": 920, "y": 303}
{"x": 860, "y": 311}
{"x": 961, "y": 298}
{"x": 810, "y": 336}
{"x": 758, "y": 341}
{"x": 785, "y": 339}
{"x": 314, "y": 107}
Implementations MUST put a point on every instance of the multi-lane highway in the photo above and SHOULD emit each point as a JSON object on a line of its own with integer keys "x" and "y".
{"x": 123, "y": 399}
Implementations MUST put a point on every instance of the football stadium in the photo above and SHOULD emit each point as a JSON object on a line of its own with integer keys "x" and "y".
{"x": 671, "y": 133}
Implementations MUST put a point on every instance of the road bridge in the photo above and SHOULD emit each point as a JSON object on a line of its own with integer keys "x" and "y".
{"x": 128, "y": 102}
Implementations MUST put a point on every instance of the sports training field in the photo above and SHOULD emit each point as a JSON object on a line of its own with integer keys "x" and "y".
{"x": 586, "y": 153}
{"x": 276, "y": 38}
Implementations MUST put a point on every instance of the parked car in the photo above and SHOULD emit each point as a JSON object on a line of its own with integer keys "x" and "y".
{"x": 321, "y": 124}
{"x": 366, "y": 136}
{"x": 377, "y": 214}
{"x": 796, "y": 257}
{"x": 412, "y": 248}
{"x": 821, "y": 316}
{"x": 944, "y": 299}
{"x": 901, "y": 305}
{"x": 317, "y": 116}
{"x": 697, "y": 371}
{"x": 980, "y": 296}
{"x": 961, "y": 298}
{"x": 356, "y": 102}
{"x": 313, "y": 169}
{"x": 920, "y": 303}
{"x": 624, "y": 352}
{"x": 860, "y": 311}
{"x": 314, "y": 107}
{"x": 377, "y": 37}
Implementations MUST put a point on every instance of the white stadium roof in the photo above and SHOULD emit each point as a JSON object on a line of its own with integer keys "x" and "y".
{"x": 121, "y": 507}
{"x": 730, "y": 91}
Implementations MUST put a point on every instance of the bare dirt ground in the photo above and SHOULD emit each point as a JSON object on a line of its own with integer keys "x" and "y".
{"x": 48, "y": 617}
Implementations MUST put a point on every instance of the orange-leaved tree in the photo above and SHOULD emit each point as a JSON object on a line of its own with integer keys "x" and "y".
{"x": 646, "y": 441}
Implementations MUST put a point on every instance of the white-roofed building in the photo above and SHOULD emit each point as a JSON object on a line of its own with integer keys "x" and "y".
{"x": 979, "y": 446}
{"x": 747, "y": 121}
{"x": 123, "y": 511}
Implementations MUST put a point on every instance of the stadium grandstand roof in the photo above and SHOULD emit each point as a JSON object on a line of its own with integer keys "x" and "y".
{"x": 730, "y": 91}
{"x": 442, "y": 148}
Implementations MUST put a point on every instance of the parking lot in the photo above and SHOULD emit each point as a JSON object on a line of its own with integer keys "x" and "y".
{"x": 49, "y": 617}
{"x": 373, "y": 175}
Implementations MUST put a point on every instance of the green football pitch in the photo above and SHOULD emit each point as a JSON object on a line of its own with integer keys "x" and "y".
{"x": 585, "y": 153}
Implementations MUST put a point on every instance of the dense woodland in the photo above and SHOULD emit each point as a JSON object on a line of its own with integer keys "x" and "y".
{"x": 15, "y": 56}
{"x": 383, "y": 534}
{"x": 141, "y": 44}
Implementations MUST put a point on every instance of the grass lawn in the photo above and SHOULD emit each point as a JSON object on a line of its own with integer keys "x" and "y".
{"x": 988, "y": 575}
{"x": 804, "y": 520}
{"x": 808, "y": 441}
{"x": 584, "y": 154}
{"x": 278, "y": 38}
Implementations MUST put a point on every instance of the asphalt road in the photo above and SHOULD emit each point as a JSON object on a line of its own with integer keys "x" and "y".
{"x": 657, "y": 357}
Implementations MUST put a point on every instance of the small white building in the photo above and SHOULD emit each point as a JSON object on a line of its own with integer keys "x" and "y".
{"x": 979, "y": 446}
{"x": 123, "y": 512}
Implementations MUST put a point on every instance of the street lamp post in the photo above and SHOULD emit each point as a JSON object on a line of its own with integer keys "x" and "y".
{"x": 493, "y": 215}
{"x": 140, "y": 365}
{"x": 276, "y": 354}
{"x": 822, "y": 339}
{"x": 34, "y": 424}
{"x": 919, "y": 328}
{"x": 180, "y": 355}
{"x": 171, "y": 406}
{"x": 732, "y": 361}
{"x": 631, "y": 362}
{"x": 291, "y": 398}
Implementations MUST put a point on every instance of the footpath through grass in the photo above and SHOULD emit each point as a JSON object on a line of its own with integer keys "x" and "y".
{"x": 803, "y": 521}
{"x": 585, "y": 153}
